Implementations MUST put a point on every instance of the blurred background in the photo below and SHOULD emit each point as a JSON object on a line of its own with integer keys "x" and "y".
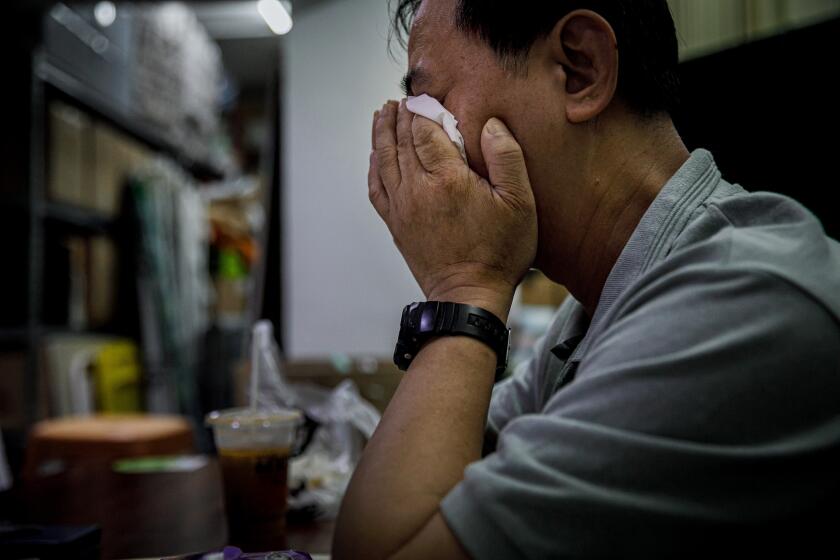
{"x": 171, "y": 172}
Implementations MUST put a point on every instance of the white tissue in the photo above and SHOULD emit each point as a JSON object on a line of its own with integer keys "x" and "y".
{"x": 431, "y": 108}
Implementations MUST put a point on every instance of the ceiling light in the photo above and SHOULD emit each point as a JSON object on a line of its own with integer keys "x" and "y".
{"x": 277, "y": 14}
{"x": 105, "y": 13}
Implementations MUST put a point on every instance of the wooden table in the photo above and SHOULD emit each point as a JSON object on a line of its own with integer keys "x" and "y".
{"x": 145, "y": 515}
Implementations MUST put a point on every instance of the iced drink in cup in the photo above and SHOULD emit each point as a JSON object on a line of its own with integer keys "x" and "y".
{"x": 254, "y": 448}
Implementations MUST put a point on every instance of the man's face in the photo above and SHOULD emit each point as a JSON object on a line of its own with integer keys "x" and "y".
{"x": 468, "y": 78}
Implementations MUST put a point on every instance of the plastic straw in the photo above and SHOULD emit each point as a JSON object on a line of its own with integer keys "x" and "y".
{"x": 255, "y": 366}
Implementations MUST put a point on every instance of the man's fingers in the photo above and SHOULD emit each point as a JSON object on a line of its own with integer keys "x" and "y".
{"x": 433, "y": 147}
{"x": 409, "y": 164}
{"x": 385, "y": 140}
{"x": 373, "y": 130}
{"x": 376, "y": 192}
{"x": 505, "y": 162}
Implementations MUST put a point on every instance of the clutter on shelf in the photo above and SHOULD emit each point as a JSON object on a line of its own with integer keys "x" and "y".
{"x": 173, "y": 281}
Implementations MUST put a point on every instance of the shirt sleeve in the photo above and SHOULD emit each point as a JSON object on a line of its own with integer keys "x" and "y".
{"x": 521, "y": 393}
{"x": 708, "y": 408}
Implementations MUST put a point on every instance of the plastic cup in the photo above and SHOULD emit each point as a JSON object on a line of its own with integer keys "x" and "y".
{"x": 254, "y": 448}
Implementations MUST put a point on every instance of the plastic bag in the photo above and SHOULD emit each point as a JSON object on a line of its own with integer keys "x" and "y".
{"x": 343, "y": 421}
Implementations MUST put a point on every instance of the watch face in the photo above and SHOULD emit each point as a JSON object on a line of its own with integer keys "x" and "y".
{"x": 427, "y": 319}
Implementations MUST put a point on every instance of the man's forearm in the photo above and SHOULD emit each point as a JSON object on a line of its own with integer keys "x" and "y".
{"x": 431, "y": 431}
{"x": 466, "y": 239}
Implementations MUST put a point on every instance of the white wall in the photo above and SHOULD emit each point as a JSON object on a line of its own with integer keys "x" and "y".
{"x": 345, "y": 283}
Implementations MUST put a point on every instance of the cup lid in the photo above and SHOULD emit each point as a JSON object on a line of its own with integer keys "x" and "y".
{"x": 245, "y": 416}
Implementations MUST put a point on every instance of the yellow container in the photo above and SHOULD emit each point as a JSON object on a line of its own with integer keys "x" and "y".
{"x": 117, "y": 375}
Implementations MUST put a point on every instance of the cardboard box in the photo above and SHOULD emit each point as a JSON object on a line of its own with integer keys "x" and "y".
{"x": 70, "y": 153}
{"x": 116, "y": 155}
{"x": 102, "y": 281}
{"x": 107, "y": 179}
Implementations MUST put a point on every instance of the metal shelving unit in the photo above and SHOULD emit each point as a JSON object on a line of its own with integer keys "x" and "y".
{"x": 96, "y": 104}
{"x": 77, "y": 218}
{"x": 49, "y": 82}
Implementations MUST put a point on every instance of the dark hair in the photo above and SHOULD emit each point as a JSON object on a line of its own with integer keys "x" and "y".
{"x": 647, "y": 39}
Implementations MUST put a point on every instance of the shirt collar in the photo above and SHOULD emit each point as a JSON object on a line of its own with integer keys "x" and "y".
{"x": 660, "y": 225}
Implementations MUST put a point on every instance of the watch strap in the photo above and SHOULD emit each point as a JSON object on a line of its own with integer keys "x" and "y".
{"x": 424, "y": 320}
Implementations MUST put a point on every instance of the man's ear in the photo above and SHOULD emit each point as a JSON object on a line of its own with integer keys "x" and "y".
{"x": 583, "y": 43}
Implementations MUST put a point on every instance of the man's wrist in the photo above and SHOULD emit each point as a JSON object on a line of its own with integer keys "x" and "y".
{"x": 495, "y": 300}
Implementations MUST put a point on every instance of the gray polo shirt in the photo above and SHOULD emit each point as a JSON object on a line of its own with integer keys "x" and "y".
{"x": 699, "y": 406}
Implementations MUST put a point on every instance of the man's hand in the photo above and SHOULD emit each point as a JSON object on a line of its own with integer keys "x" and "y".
{"x": 465, "y": 239}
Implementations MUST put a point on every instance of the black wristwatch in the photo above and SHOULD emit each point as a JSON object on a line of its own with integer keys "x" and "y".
{"x": 424, "y": 320}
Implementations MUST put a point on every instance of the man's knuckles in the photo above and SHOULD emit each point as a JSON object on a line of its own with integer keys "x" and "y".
{"x": 448, "y": 176}
{"x": 430, "y": 138}
{"x": 386, "y": 154}
{"x": 404, "y": 140}
{"x": 424, "y": 131}
{"x": 375, "y": 195}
